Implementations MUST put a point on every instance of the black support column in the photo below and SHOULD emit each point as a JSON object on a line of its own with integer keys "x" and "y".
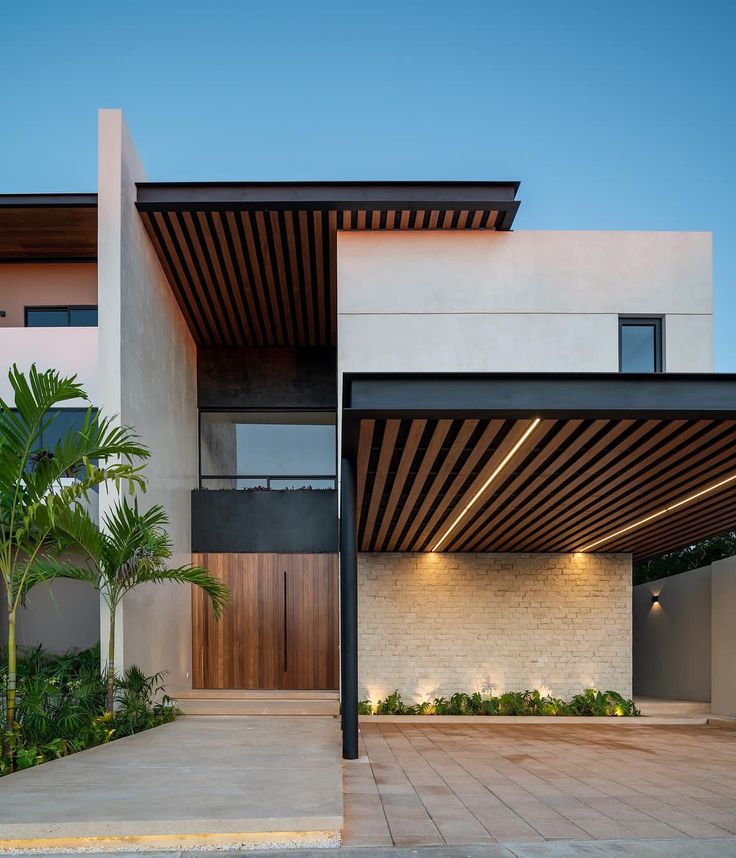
{"x": 348, "y": 612}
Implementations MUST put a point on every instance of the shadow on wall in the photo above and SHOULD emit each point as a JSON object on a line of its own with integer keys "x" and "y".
{"x": 64, "y": 616}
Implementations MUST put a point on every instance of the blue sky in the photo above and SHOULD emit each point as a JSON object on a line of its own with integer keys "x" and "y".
{"x": 614, "y": 115}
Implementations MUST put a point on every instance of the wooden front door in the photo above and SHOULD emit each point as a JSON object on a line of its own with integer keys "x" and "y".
{"x": 280, "y": 629}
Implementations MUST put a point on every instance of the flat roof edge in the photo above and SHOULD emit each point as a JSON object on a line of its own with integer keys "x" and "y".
{"x": 17, "y": 201}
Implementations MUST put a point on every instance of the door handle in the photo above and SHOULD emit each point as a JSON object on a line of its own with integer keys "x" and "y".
{"x": 286, "y": 633}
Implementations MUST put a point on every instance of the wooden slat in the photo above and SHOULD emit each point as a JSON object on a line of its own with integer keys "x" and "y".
{"x": 517, "y": 429}
{"x": 272, "y": 331}
{"x": 245, "y": 319}
{"x": 222, "y": 285}
{"x": 416, "y": 430}
{"x": 433, "y": 448}
{"x": 660, "y": 484}
{"x": 365, "y": 442}
{"x": 480, "y": 449}
{"x": 205, "y": 281}
{"x": 285, "y": 288}
{"x": 266, "y": 262}
{"x": 309, "y": 287}
{"x": 257, "y": 323}
{"x": 322, "y": 269}
{"x": 473, "y": 536}
{"x": 611, "y": 471}
{"x": 180, "y": 286}
{"x": 332, "y": 278}
{"x": 206, "y": 299}
{"x": 594, "y": 458}
{"x": 297, "y": 282}
{"x": 443, "y": 473}
{"x": 388, "y": 444}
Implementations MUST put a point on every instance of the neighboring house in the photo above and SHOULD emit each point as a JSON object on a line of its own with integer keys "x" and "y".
{"x": 507, "y": 416}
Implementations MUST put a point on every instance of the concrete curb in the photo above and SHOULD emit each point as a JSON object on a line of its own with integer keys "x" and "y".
{"x": 548, "y": 720}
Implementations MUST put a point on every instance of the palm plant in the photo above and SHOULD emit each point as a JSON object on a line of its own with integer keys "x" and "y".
{"x": 33, "y": 493}
{"x": 133, "y": 548}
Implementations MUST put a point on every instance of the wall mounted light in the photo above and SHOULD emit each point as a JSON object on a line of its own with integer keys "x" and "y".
{"x": 659, "y": 513}
{"x": 655, "y": 598}
{"x": 2, "y": 314}
{"x": 506, "y": 459}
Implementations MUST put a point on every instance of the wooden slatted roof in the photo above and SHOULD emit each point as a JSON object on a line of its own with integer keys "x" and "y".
{"x": 254, "y": 263}
{"x": 43, "y": 227}
{"x": 572, "y": 483}
{"x": 645, "y": 478}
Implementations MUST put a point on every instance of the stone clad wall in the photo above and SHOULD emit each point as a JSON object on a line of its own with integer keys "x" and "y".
{"x": 433, "y": 624}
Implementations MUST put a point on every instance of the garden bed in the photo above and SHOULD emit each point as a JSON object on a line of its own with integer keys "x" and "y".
{"x": 61, "y": 706}
{"x": 591, "y": 703}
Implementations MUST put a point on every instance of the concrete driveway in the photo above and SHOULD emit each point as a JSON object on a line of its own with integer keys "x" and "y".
{"x": 423, "y": 785}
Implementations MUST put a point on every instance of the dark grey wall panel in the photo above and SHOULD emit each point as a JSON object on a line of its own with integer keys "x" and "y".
{"x": 672, "y": 638}
{"x": 267, "y": 377}
{"x": 278, "y": 521}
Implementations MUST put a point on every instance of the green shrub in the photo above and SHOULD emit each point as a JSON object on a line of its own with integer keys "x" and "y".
{"x": 590, "y": 702}
{"x": 61, "y": 706}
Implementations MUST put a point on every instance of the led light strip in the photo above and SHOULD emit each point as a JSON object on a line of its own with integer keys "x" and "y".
{"x": 533, "y": 425}
{"x": 660, "y": 513}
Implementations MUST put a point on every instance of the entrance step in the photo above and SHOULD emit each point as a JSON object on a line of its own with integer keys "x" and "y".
{"x": 658, "y": 707}
{"x": 214, "y": 701}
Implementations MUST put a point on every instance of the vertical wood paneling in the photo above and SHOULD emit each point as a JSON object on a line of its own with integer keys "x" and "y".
{"x": 280, "y": 630}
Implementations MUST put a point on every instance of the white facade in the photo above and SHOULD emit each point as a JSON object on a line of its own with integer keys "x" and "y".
{"x": 518, "y": 301}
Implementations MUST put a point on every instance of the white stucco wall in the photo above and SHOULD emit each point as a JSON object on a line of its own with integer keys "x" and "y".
{"x": 148, "y": 376}
{"x": 518, "y": 301}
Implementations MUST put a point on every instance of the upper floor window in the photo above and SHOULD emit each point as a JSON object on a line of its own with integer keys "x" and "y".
{"x": 61, "y": 317}
{"x": 639, "y": 344}
{"x": 259, "y": 450}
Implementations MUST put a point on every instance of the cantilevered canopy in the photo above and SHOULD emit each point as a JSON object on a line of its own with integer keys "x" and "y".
{"x": 45, "y": 227}
{"x": 253, "y": 263}
{"x": 541, "y": 463}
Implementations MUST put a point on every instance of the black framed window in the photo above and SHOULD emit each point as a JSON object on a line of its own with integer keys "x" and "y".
{"x": 639, "y": 344}
{"x": 61, "y": 317}
{"x": 267, "y": 450}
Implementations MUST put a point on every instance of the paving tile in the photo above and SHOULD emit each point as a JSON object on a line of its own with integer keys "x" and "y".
{"x": 461, "y": 783}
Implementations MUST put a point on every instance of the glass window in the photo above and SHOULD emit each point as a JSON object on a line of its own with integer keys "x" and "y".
{"x": 47, "y": 317}
{"x": 83, "y": 317}
{"x": 61, "y": 317}
{"x": 268, "y": 450}
{"x": 640, "y": 345}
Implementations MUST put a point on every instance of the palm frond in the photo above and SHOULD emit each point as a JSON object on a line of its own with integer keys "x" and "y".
{"x": 48, "y": 568}
{"x": 199, "y": 576}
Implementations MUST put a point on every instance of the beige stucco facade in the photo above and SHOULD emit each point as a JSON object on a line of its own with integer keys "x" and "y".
{"x": 520, "y": 301}
{"x": 44, "y": 284}
{"x": 433, "y": 624}
{"x": 148, "y": 378}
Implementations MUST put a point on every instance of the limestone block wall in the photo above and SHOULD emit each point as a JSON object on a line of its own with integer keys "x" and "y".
{"x": 433, "y": 624}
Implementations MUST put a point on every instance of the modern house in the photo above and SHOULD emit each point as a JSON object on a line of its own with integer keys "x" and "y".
{"x": 421, "y": 447}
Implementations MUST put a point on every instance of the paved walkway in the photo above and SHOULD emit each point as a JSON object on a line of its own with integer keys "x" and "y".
{"x": 448, "y": 785}
{"x": 199, "y": 781}
{"x": 704, "y": 847}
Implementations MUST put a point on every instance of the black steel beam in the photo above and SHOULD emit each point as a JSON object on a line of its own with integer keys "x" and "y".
{"x": 333, "y": 194}
{"x": 561, "y": 395}
{"x": 348, "y": 612}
